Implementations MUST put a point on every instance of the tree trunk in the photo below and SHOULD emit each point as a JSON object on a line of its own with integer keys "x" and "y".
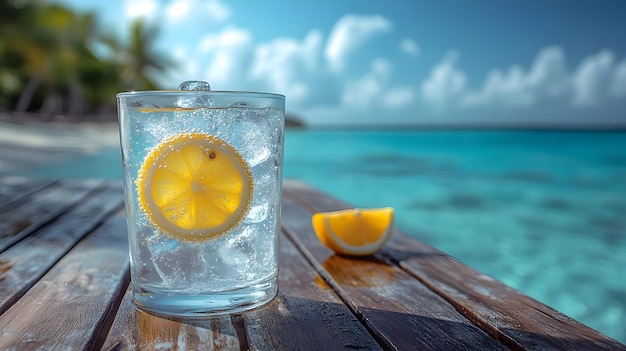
{"x": 52, "y": 103}
{"x": 76, "y": 102}
{"x": 26, "y": 98}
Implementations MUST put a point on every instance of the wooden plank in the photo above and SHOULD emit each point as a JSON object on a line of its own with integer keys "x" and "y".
{"x": 68, "y": 308}
{"x": 134, "y": 329}
{"x": 24, "y": 263}
{"x": 42, "y": 207}
{"x": 519, "y": 321}
{"x": 396, "y": 308}
{"x": 14, "y": 190}
{"x": 502, "y": 311}
{"x": 306, "y": 315}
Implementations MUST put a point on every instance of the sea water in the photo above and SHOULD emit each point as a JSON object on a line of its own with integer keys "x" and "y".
{"x": 542, "y": 211}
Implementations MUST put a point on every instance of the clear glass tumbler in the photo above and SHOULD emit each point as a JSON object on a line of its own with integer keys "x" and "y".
{"x": 203, "y": 179}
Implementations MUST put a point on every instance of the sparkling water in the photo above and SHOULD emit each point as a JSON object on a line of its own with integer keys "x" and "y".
{"x": 235, "y": 271}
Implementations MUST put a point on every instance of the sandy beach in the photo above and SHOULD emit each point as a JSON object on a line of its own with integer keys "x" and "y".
{"x": 30, "y": 143}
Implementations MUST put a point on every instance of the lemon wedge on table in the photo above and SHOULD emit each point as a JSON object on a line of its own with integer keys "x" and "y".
{"x": 355, "y": 231}
{"x": 194, "y": 187}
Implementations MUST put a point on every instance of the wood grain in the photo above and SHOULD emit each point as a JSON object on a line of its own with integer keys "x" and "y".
{"x": 506, "y": 313}
{"x": 14, "y": 190}
{"x": 24, "y": 263}
{"x": 43, "y": 207}
{"x": 306, "y": 315}
{"x": 396, "y": 308}
{"x": 68, "y": 307}
{"x": 519, "y": 321}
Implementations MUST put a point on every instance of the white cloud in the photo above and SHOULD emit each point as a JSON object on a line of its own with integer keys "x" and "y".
{"x": 547, "y": 78}
{"x": 217, "y": 10}
{"x": 197, "y": 10}
{"x": 287, "y": 65}
{"x": 230, "y": 52}
{"x": 508, "y": 88}
{"x": 361, "y": 93}
{"x": 365, "y": 91}
{"x": 409, "y": 46}
{"x": 596, "y": 79}
{"x": 318, "y": 84}
{"x": 381, "y": 68}
{"x": 348, "y": 34}
{"x": 545, "y": 92}
{"x": 177, "y": 9}
{"x": 134, "y": 9}
{"x": 445, "y": 83}
{"x": 374, "y": 90}
{"x": 230, "y": 37}
{"x": 592, "y": 78}
{"x": 190, "y": 70}
{"x": 399, "y": 97}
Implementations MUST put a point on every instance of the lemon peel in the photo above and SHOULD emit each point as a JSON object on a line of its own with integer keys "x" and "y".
{"x": 355, "y": 231}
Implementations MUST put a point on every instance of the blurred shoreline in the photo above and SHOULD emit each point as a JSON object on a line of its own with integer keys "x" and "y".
{"x": 29, "y": 140}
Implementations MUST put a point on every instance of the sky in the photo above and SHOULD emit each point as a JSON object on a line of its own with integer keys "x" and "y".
{"x": 400, "y": 62}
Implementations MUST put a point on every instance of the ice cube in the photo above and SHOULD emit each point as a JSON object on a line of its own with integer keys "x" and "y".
{"x": 265, "y": 192}
{"x": 194, "y": 85}
{"x": 233, "y": 255}
{"x": 256, "y": 137}
{"x": 194, "y": 100}
{"x": 257, "y": 212}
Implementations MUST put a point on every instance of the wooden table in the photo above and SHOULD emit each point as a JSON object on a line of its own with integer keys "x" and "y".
{"x": 64, "y": 281}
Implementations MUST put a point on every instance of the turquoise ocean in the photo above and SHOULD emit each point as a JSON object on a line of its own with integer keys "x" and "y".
{"x": 542, "y": 211}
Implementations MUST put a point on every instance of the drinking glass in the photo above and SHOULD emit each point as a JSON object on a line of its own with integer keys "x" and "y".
{"x": 203, "y": 178}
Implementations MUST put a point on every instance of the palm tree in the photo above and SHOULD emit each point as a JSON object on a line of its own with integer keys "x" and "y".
{"x": 46, "y": 61}
{"x": 14, "y": 32}
{"x": 138, "y": 59}
{"x": 53, "y": 52}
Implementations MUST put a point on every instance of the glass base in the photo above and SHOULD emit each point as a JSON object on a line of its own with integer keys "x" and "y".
{"x": 203, "y": 305}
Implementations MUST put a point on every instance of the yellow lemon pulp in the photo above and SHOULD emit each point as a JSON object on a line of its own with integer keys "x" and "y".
{"x": 194, "y": 187}
{"x": 354, "y": 231}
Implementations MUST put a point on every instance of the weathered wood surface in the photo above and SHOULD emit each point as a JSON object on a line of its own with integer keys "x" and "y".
{"x": 400, "y": 311}
{"x": 21, "y": 219}
{"x": 307, "y": 313}
{"x": 24, "y": 263}
{"x": 515, "y": 319}
{"x": 64, "y": 284}
{"x": 69, "y": 305}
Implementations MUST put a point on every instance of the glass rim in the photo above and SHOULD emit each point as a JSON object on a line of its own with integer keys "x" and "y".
{"x": 152, "y": 93}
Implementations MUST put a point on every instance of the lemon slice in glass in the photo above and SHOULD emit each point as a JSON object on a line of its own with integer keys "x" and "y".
{"x": 194, "y": 187}
{"x": 354, "y": 231}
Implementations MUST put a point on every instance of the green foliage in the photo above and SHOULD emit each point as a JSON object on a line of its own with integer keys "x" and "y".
{"x": 47, "y": 63}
